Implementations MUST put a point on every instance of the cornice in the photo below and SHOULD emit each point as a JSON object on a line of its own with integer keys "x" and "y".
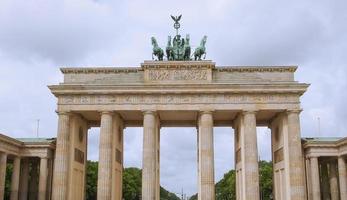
{"x": 176, "y": 64}
{"x": 329, "y": 144}
{"x": 292, "y": 88}
{"x": 20, "y": 144}
{"x": 10, "y": 140}
{"x": 342, "y": 141}
{"x": 97, "y": 70}
{"x": 45, "y": 145}
{"x": 256, "y": 68}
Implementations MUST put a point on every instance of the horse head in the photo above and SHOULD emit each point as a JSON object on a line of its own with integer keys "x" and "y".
{"x": 203, "y": 41}
{"x": 187, "y": 39}
{"x": 154, "y": 41}
{"x": 169, "y": 40}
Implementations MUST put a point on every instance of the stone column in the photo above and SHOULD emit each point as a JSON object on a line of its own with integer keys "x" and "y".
{"x": 61, "y": 163}
{"x": 43, "y": 179}
{"x": 334, "y": 185}
{"x": 325, "y": 180}
{"x": 3, "y": 164}
{"x": 251, "y": 155}
{"x": 49, "y": 179}
{"x": 206, "y": 157}
{"x": 105, "y": 157}
{"x": 24, "y": 180}
{"x": 246, "y": 156}
{"x": 296, "y": 166}
{"x": 149, "y": 181}
{"x": 308, "y": 178}
{"x": 315, "y": 178}
{"x": 15, "y": 179}
{"x": 33, "y": 181}
{"x": 342, "y": 177}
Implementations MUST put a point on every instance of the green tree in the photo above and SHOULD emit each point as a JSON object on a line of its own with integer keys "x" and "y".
{"x": 132, "y": 182}
{"x": 226, "y": 187}
{"x": 92, "y": 179}
{"x": 265, "y": 179}
{"x": 9, "y": 169}
{"x": 166, "y": 195}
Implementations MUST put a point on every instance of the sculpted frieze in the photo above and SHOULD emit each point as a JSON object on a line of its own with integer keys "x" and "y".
{"x": 178, "y": 99}
{"x": 177, "y": 75}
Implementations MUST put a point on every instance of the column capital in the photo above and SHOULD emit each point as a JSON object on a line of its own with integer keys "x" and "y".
{"x": 249, "y": 111}
{"x": 149, "y": 112}
{"x": 201, "y": 112}
{"x": 17, "y": 157}
{"x": 312, "y": 157}
{"x": 341, "y": 157}
{"x": 106, "y": 112}
{"x": 295, "y": 111}
{"x": 3, "y": 153}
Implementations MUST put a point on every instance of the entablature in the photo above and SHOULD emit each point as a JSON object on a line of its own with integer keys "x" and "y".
{"x": 178, "y": 72}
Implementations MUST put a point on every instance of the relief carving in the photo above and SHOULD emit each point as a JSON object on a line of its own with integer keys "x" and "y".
{"x": 177, "y": 75}
{"x": 178, "y": 99}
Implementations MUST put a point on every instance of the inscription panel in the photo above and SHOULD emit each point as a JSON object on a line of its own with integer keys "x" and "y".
{"x": 169, "y": 75}
{"x": 79, "y": 156}
{"x": 134, "y": 99}
{"x": 178, "y": 72}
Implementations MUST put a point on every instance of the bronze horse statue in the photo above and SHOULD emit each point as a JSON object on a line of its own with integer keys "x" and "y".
{"x": 186, "y": 48}
{"x": 200, "y": 50}
{"x": 169, "y": 49}
{"x": 157, "y": 51}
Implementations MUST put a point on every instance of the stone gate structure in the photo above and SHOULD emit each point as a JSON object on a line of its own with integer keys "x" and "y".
{"x": 178, "y": 93}
{"x": 175, "y": 93}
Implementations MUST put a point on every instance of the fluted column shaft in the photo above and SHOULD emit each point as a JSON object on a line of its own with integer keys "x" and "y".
{"x": 315, "y": 178}
{"x": 206, "y": 157}
{"x": 15, "y": 179}
{"x": 342, "y": 177}
{"x": 43, "y": 179}
{"x": 61, "y": 163}
{"x": 3, "y": 164}
{"x": 296, "y": 165}
{"x": 149, "y": 185}
{"x": 251, "y": 156}
{"x": 24, "y": 180}
{"x": 105, "y": 157}
{"x": 334, "y": 186}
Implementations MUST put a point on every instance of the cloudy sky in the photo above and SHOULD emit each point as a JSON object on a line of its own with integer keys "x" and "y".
{"x": 39, "y": 36}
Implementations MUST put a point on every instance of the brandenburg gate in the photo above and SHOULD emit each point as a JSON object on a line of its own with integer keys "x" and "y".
{"x": 178, "y": 94}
